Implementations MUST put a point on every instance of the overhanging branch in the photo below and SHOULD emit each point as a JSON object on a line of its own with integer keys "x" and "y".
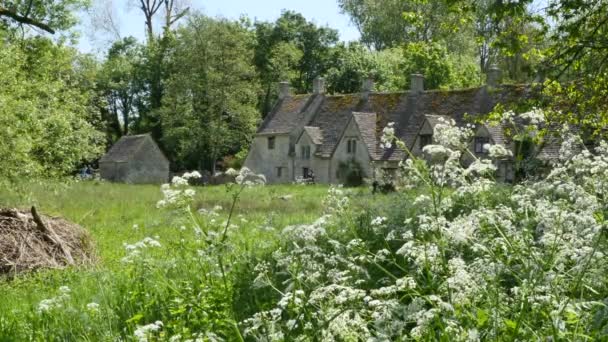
{"x": 25, "y": 20}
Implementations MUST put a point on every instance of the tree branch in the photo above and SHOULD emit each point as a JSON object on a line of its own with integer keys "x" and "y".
{"x": 25, "y": 20}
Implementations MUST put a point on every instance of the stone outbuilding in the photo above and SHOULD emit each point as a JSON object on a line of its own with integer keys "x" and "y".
{"x": 135, "y": 159}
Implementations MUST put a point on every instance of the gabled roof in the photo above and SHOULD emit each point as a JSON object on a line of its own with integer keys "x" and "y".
{"x": 287, "y": 115}
{"x": 407, "y": 110}
{"x": 497, "y": 133}
{"x": 315, "y": 134}
{"x": 125, "y": 148}
{"x": 332, "y": 118}
{"x": 435, "y": 120}
{"x": 366, "y": 123}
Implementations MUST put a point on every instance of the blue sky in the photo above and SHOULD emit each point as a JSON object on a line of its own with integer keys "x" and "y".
{"x": 131, "y": 23}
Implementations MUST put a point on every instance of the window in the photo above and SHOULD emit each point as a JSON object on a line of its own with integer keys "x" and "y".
{"x": 351, "y": 146}
{"x": 305, "y": 152}
{"x": 425, "y": 139}
{"x": 305, "y": 172}
{"x": 271, "y": 143}
{"x": 479, "y": 142}
{"x": 279, "y": 172}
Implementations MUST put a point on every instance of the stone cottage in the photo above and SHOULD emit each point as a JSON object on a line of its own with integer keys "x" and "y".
{"x": 321, "y": 134}
{"x": 135, "y": 159}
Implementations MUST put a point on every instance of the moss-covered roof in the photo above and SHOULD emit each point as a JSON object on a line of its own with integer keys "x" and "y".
{"x": 407, "y": 110}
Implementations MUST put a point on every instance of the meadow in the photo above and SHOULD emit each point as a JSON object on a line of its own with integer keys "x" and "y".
{"x": 452, "y": 255}
{"x": 119, "y": 214}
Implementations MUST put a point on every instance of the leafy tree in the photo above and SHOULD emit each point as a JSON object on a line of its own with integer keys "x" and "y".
{"x": 45, "y": 111}
{"x": 352, "y": 63}
{"x": 391, "y": 23}
{"x": 306, "y": 48}
{"x": 49, "y": 16}
{"x": 154, "y": 70}
{"x": 210, "y": 106}
{"x": 439, "y": 68}
{"x": 119, "y": 81}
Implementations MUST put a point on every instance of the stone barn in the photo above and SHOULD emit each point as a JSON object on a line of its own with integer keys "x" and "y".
{"x": 135, "y": 159}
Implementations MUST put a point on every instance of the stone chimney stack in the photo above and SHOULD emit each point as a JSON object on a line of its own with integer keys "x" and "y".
{"x": 284, "y": 90}
{"x": 367, "y": 87}
{"x": 318, "y": 86}
{"x": 416, "y": 83}
{"x": 493, "y": 76}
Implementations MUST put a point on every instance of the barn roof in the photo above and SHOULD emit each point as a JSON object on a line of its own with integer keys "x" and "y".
{"x": 125, "y": 148}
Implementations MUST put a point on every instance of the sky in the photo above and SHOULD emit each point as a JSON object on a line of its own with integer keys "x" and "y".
{"x": 131, "y": 22}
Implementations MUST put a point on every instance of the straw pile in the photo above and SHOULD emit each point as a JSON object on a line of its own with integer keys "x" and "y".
{"x": 30, "y": 241}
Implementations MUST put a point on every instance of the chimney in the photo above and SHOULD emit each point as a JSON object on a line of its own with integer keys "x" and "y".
{"x": 367, "y": 87}
{"x": 493, "y": 76}
{"x": 283, "y": 90}
{"x": 416, "y": 83}
{"x": 318, "y": 86}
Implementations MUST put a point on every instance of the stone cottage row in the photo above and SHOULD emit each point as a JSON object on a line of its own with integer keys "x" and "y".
{"x": 320, "y": 134}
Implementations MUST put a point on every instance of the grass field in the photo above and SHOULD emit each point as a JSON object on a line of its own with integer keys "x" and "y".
{"x": 115, "y": 214}
{"x": 110, "y": 211}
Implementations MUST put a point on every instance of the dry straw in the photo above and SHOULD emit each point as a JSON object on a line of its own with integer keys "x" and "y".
{"x": 30, "y": 241}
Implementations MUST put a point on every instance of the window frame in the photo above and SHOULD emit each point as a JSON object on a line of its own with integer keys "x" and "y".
{"x": 271, "y": 142}
{"x": 351, "y": 146}
{"x": 424, "y": 140}
{"x": 478, "y": 143}
{"x": 279, "y": 171}
{"x": 305, "y": 152}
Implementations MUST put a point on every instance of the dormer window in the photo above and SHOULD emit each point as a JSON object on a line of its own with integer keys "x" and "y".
{"x": 305, "y": 151}
{"x": 351, "y": 146}
{"x": 425, "y": 139}
{"x": 271, "y": 141}
{"x": 479, "y": 143}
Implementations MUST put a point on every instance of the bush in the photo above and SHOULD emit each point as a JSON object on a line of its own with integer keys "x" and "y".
{"x": 350, "y": 173}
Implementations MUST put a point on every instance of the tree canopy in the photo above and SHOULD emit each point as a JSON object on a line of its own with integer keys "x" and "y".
{"x": 201, "y": 85}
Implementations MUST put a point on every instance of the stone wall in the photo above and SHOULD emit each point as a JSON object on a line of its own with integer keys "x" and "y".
{"x": 341, "y": 154}
{"x": 266, "y": 161}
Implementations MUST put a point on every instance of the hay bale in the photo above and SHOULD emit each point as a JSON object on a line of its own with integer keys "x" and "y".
{"x": 30, "y": 241}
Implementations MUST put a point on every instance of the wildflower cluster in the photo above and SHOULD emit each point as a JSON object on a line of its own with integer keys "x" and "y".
{"x": 529, "y": 265}
{"x": 178, "y": 193}
{"x": 147, "y": 332}
{"x": 134, "y": 251}
{"x": 58, "y": 302}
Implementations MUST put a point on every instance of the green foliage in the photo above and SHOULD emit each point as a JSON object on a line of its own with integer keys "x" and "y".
{"x": 209, "y": 109}
{"x": 385, "y": 24}
{"x": 439, "y": 68}
{"x": 290, "y": 49}
{"x": 45, "y": 112}
{"x": 119, "y": 82}
{"x": 350, "y": 173}
{"x": 172, "y": 284}
{"x": 50, "y": 15}
{"x": 352, "y": 63}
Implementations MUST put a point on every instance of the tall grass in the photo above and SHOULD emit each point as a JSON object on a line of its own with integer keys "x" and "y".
{"x": 115, "y": 214}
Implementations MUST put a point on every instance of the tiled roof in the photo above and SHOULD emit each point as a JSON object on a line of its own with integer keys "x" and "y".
{"x": 315, "y": 133}
{"x": 408, "y": 111}
{"x": 366, "y": 122}
{"x": 125, "y": 148}
{"x": 286, "y": 115}
{"x": 434, "y": 120}
{"x": 497, "y": 133}
{"x": 332, "y": 118}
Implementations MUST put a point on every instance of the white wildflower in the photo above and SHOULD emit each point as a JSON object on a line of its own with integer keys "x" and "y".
{"x": 498, "y": 151}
